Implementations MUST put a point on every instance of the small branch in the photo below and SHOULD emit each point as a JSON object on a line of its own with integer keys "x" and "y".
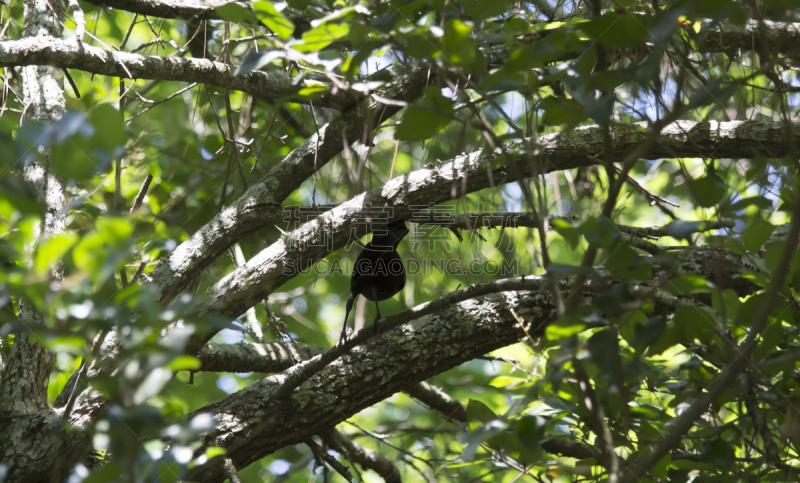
{"x": 438, "y": 400}
{"x": 332, "y": 462}
{"x": 139, "y": 272}
{"x": 80, "y": 23}
{"x": 230, "y": 471}
{"x": 654, "y": 199}
{"x": 367, "y": 458}
{"x": 71, "y": 83}
{"x": 137, "y": 202}
{"x": 156, "y": 103}
{"x": 604, "y": 439}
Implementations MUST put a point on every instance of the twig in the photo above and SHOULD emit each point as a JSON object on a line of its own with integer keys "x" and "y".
{"x": 394, "y": 158}
{"x": 142, "y": 193}
{"x": 230, "y": 471}
{"x": 71, "y": 83}
{"x": 605, "y": 440}
{"x": 139, "y": 272}
{"x": 654, "y": 199}
{"x": 231, "y": 137}
{"x": 332, "y": 462}
{"x": 154, "y": 104}
{"x": 231, "y": 154}
{"x": 128, "y": 33}
{"x": 368, "y": 459}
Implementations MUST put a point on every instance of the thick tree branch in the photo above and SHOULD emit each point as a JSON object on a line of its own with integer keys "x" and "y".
{"x": 203, "y": 9}
{"x": 472, "y": 172}
{"x": 365, "y": 376}
{"x": 259, "y": 207}
{"x": 269, "y": 86}
{"x": 725, "y": 36}
{"x": 418, "y": 343}
{"x": 276, "y": 357}
{"x": 254, "y": 357}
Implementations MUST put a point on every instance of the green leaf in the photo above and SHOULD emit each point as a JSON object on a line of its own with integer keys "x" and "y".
{"x": 531, "y": 431}
{"x": 256, "y": 60}
{"x": 570, "y": 232}
{"x": 619, "y": 30}
{"x": 479, "y": 412}
{"x": 457, "y": 45}
{"x": 719, "y": 453}
{"x": 565, "y": 327}
{"x": 75, "y": 159}
{"x": 748, "y": 309}
{"x": 426, "y": 117}
{"x": 234, "y": 12}
{"x": 318, "y": 38}
{"x": 604, "y": 350}
{"x": 184, "y": 363}
{"x": 729, "y": 302}
{"x": 100, "y": 252}
{"x": 758, "y": 201}
{"x": 756, "y": 234}
{"x": 683, "y": 230}
{"x": 624, "y": 262}
{"x": 714, "y": 92}
{"x": 559, "y": 111}
{"x": 483, "y": 9}
{"x": 773, "y": 253}
{"x": 273, "y": 19}
{"x": 647, "y": 333}
{"x": 687, "y": 284}
{"x": 601, "y": 231}
{"x": 600, "y": 110}
{"x": 49, "y": 252}
{"x": 709, "y": 190}
{"x": 695, "y": 323}
{"x": 109, "y": 130}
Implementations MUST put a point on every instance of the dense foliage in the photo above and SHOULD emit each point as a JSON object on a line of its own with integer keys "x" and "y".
{"x": 653, "y": 336}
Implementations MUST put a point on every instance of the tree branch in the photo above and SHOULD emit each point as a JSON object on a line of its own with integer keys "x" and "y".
{"x": 364, "y": 376}
{"x": 269, "y": 86}
{"x": 254, "y": 357}
{"x": 416, "y": 344}
{"x": 299, "y": 249}
{"x": 259, "y": 206}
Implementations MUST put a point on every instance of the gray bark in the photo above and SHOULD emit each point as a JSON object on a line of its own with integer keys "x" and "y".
{"x": 723, "y": 37}
{"x": 33, "y": 442}
{"x": 269, "y": 86}
{"x": 468, "y": 173}
{"x": 256, "y": 422}
{"x": 260, "y": 206}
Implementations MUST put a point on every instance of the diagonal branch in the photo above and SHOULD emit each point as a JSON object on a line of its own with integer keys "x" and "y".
{"x": 259, "y": 206}
{"x": 365, "y": 376}
{"x": 419, "y": 343}
{"x": 301, "y": 248}
{"x": 429, "y": 339}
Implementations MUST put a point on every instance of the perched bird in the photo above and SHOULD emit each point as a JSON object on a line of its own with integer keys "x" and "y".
{"x": 379, "y": 272}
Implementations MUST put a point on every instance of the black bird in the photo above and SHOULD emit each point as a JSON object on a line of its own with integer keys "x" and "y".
{"x": 379, "y": 272}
